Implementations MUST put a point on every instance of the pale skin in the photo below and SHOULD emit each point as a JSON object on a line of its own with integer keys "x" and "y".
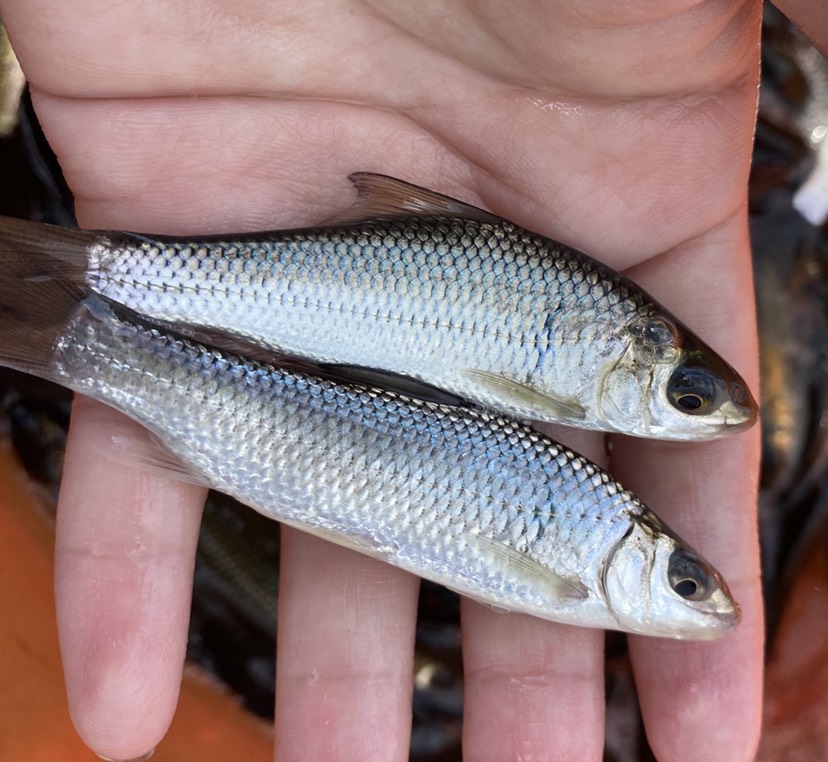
{"x": 622, "y": 128}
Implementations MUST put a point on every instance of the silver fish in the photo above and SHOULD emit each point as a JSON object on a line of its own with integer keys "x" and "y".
{"x": 484, "y": 505}
{"x": 415, "y": 284}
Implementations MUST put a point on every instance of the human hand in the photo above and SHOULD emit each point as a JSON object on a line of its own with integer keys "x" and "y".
{"x": 621, "y": 130}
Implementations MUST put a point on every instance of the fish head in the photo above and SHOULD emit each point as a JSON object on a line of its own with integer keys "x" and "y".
{"x": 655, "y": 584}
{"x": 669, "y": 384}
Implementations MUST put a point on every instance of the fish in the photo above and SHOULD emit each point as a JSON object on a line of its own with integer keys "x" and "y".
{"x": 482, "y": 504}
{"x": 412, "y": 287}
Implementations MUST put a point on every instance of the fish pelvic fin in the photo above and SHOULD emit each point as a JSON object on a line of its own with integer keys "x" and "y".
{"x": 35, "y": 304}
{"x": 517, "y": 396}
{"x": 383, "y": 197}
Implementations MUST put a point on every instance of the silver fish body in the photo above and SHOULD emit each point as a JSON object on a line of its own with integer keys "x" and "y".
{"x": 481, "y": 504}
{"x": 427, "y": 287}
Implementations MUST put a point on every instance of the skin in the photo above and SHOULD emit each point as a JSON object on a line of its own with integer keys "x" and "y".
{"x": 623, "y": 128}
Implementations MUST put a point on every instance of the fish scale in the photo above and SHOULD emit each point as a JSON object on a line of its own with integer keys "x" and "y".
{"x": 480, "y": 503}
{"x": 303, "y": 281}
{"x": 421, "y": 292}
{"x": 307, "y": 452}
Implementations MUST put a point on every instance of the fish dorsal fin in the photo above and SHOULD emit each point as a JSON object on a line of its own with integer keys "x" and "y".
{"x": 559, "y": 588}
{"x": 518, "y": 396}
{"x": 235, "y": 344}
{"x": 249, "y": 349}
{"x": 383, "y": 197}
{"x": 224, "y": 341}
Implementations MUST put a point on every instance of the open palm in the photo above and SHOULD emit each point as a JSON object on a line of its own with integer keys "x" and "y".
{"x": 621, "y": 128}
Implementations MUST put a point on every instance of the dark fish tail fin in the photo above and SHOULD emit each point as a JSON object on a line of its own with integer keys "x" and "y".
{"x": 35, "y": 307}
{"x": 46, "y": 251}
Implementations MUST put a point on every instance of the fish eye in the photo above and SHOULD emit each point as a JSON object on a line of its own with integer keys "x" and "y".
{"x": 686, "y": 588}
{"x": 689, "y": 402}
{"x": 687, "y": 576}
{"x": 692, "y": 390}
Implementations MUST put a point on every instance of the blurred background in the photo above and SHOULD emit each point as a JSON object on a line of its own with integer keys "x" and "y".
{"x": 227, "y": 699}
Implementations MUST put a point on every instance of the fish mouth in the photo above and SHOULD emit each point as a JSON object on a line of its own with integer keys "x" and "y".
{"x": 718, "y": 621}
{"x": 746, "y": 407}
{"x": 730, "y": 619}
{"x": 702, "y": 384}
{"x": 743, "y": 420}
{"x": 720, "y": 610}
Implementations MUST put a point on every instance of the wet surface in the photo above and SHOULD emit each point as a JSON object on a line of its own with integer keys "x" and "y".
{"x": 233, "y": 625}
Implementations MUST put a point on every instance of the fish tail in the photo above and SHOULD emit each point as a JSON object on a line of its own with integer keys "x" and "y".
{"x": 47, "y": 251}
{"x": 37, "y": 293}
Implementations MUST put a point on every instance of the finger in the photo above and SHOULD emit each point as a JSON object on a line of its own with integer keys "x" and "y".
{"x": 703, "y": 700}
{"x": 344, "y": 669}
{"x": 534, "y": 689}
{"x": 124, "y": 556}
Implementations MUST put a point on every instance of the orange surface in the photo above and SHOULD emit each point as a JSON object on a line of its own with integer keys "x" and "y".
{"x": 796, "y": 689}
{"x": 34, "y": 719}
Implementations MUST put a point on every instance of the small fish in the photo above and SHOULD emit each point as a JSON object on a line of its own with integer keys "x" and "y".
{"x": 415, "y": 285}
{"x": 481, "y": 504}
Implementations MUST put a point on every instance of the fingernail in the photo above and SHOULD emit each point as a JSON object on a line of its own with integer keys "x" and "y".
{"x": 142, "y": 758}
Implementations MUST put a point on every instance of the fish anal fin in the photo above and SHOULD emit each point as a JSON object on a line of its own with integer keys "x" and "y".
{"x": 559, "y": 588}
{"x": 132, "y": 446}
{"x": 383, "y": 197}
{"x": 343, "y": 540}
{"x": 520, "y": 397}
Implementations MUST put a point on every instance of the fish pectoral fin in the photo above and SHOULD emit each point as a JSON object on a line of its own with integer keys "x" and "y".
{"x": 383, "y": 197}
{"x": 560, "y": 588}
{"x": 518, "y": 395}
{"x": 148, "y": 453}
{"x": 395, "y": 382}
